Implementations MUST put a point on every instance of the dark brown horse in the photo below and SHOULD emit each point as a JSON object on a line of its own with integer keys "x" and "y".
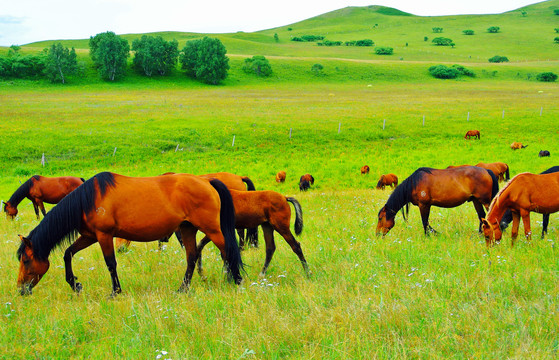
{"x": 525, "y": 193}
{"x": 280, "y": 176}
{"x": 446, "y": 188}
{"x": 365, "y": 169}
{"x": 41, "y": 189}
{"x": 472, "y": 134}
{"x": 544, "y": 153}
{"x": 139, "y": 209}
{"x": 270, "y": 210}
{"x": 305, "y": 182}
{"x": 387, "y": 180}
{"x": 507, "y": 218}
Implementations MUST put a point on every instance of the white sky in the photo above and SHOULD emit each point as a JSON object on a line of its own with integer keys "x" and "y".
{"x": 25, "y": 21}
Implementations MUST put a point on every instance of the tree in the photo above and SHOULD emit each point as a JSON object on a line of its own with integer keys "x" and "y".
{"x": 59, "y": 62}
{"x": 442, "y": 41}
{"x": 276, "y": 37}
{"x": 556, "y": 11}
{"x": 443, "y": 72}
{"x": 155, "y": 55}
{"x": 317, "y": 69}
{"x": 546, "y": 77}
{"x": 437, "y": 29}
{"x": 498, "y": 59}
{"x": 205, "y": 60}
{"x": 109, "y": 52}
{"x": 468, "y": 32}
{"x": 258, "y": 65}
{"x": 556, "y": 40}
{"x": 557, "y": 30}
{"x": 493, "y": 29}
{"x": 384, "y": 50}
{"x": 524, "y": 13}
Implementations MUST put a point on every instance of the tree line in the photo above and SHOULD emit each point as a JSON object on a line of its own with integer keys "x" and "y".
{"x": 202, "y": 59}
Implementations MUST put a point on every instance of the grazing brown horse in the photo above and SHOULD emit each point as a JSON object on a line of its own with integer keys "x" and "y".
{"x": 387, "y": 180}
{"x": 500, "y": 169}
{"x": 365, "y": 169}
{"x": 507, "y": 218}
{"x": 139, "y": 209}
{"x": 305, "y": 182}
{"x": 516, "y": 145}
{"x": 523, "y": 194}
{"x": 472, "y": 134}
{"x": 270, "y": 210}
{"x": 446, "y": 188}
{"x": 41, "y": 189}
{"x": 544, "y": 153}
{"x": 280, "y": 176}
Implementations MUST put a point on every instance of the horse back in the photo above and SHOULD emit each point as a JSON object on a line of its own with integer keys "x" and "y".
{"x": 53, "y": 189}
{"x": 253, "y": 208}
{"x": 232, "y": 181}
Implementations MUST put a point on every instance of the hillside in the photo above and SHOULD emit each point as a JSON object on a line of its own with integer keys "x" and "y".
{"x": 523, "y": 37}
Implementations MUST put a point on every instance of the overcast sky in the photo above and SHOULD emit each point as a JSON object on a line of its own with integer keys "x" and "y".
{"x": 25, "y": 21}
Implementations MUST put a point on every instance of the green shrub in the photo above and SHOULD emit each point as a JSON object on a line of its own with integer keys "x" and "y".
{"x": 546, "y": 77}
{"x": 384, "y": 50}
{"x": 498, "y": 59}
{"x": 493, "y": 29}
{"x": 556, "y": 40}
{"x": 316, "y": 69}
{"x": 437, "y": 29}
{"x": 444, "y": 72}
{"x": 258, "y": 65}
{"x": 468, "y": 32}
{"x": 464, "y": 71}
{"x": 442, "y": 41}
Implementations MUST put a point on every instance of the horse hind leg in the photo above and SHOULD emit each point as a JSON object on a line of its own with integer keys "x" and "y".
{"x": 295, "y": 246}
{"x": 268, "y": 231}
{"x": 480, "y": 212}
{"x": 545, "y": 224}
{"x": 199, "y": 249}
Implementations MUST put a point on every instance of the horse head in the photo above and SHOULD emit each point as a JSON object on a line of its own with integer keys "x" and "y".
{"x": 11, "y": 211}
{"x": 31, "y": 269}
{"x": 491, "y": 231}
{"x": 384, "y": 224}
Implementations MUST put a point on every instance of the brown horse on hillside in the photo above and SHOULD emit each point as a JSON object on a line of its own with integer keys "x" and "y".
{"x": 523, "y": 194}
{"x": 516, "y": 145}
{"x": 136, "y": 208}
{"x": 446, "y": 188}
{"x": 270, "y": 210}
{"x": 365, "y": 169}
{"x": 472, "y": 134}
{"x": 500, "y": 169}
{"x": 41, "y": 189}
{"x": 387, "y": 180}
{"x": 280, "y": 176}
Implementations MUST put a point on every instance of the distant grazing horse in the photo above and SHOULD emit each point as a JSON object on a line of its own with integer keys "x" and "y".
{"x": 500, "y": 169}
{"x": 387, "y": 180}
{"x": 365, "y": 169}
{"x": 517, "y": 145}
{"x": 544, "y": 153}
{"x": 524, "y": 193}
{"x": 446, "y": 188}
{"x": 280, "y": 176}
{"x": 472, "y": 133}
{"x": 41, "y": 189}
{"x": 270, "y": 210}
{"x": 135, "y": 208}
{"x": 507, "y": 218}
{"x": 305, "y": 182}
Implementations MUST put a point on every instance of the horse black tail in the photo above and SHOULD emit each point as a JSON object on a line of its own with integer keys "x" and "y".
{"x": 495, "y": 185}
{"x": 507, "y": 174}
{"x": 298, "y": 215}
{"x": 227, "y": 220}
{"x": 524, "y": 146}
{"x": 252, "y": 233}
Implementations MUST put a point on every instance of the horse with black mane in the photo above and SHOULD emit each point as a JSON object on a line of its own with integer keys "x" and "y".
{"x": 446, "y": 188}
{"x": 136, "y": 208}
{"x": 507, "y": 218}
{"x": 41, "y": 189}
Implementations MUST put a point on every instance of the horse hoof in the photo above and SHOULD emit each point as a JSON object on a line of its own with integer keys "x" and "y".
{"x": 78, "y": 287}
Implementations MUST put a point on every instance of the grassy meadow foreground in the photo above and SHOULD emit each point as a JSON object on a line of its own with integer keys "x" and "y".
{"x": 401, "y": 296}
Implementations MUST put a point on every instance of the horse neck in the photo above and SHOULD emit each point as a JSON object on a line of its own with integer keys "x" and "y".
{"x": 497, "y": 210}
{"x": 21, "y": 192}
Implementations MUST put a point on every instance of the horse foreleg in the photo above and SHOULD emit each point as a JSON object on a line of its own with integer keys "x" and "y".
{"x": 199, "y": 249}
{"x": 241, "y": 233}
{"x": 515, "y": 225}
{"x": 107, "y": 247}
{"x": 425, "y": 210}
{"x": 295, "y": 246}
{"x": 42, "y": 207}
{"x": 268, "y": 231}
{"x": 480, "y": 212}
{"x": 545, "y": 224}
{"x": 188, "y": 235}
{"x": 526, "y": 221}
{"x": 81, "y": 243}
{"x": 36, "y": 208}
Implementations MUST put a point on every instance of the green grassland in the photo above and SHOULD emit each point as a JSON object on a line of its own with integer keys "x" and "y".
{"x": 401, "y": 296}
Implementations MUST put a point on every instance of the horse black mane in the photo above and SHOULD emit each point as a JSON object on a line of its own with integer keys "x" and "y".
{"x": 62, "y": 223}
{"x": 22, "y": 191}
{"x": 402, "y": 194}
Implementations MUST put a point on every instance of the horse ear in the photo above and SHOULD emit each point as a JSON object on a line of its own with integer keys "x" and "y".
{"x": 485, "y": 222}
{"x": 25, "y": 240}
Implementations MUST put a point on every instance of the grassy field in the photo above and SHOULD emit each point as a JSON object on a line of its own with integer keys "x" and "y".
{"x": 402, "y": 296}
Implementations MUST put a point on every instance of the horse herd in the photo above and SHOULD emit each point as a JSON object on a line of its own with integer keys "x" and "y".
{"x": 144, "y": 209}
